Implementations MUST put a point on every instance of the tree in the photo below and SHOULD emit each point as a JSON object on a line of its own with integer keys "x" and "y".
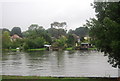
{"x": 16, "y": 30}
{"x": 6, "y": 40}
{"x": 34, "y": 43}
{"x": 39, "y": 42}
{"x": 29, "y": 44}
{"x": 17, "y": 43}
{"x": 71, "y": 40}
{"x": 71, "y": 31}
{"x": 5, "y": 29}
{"x": 60, "y": 28}
{"x": 33, "y": 26}
{"x": 82, "y": 31}
{"x": 35, "y": 31}
{"x": 47, "y": 38}
{"x": 53, "y": 32}
{"x": 56, "y": 33}
{"x": 60, "y": 43}
{"x": 58, "y": 25}
{"x": 105, "y": 30}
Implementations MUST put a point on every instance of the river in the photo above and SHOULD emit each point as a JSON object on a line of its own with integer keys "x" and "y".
{"x": 57, "y": 64}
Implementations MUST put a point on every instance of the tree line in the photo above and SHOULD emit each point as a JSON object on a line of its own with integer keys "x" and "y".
{"x": 36, "y": 36}
{"x": 105, "y": 30}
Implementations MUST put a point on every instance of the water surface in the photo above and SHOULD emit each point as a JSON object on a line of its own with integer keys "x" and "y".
{"x": 57, "y": 63}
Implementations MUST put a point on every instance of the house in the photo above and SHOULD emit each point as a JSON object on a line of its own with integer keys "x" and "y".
{"x": 14, "y": 37}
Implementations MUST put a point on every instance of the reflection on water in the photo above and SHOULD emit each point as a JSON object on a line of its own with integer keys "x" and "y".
{"x": 57, "y": 63}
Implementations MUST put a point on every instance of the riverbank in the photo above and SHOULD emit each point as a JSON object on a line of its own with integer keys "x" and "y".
{"x": 38, "y": 78}
{"x": 42, "y": 49}
{"x": 14, "y": 50}
{"x": 39, "y": 49}
{"x": 69, "y": 49}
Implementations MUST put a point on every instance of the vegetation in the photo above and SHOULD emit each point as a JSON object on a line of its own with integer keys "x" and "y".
{"x": 16, "y": 30}
{"x": 56, "y": 33}
{"x": 40, "y": 49}
{"x": 6, "y": 40}
{"x": 70, "y": 48}
{"x": 71, "y": 40}
{"x": 105, "y": 30}
{"x": 37, "y": 78}
{"x": 36, "y": 37}
{"x": 81, "y": 31}
{"x": 34, "y": 43}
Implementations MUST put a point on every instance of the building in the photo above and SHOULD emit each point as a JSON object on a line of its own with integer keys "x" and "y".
{"x": 14, "y": 37}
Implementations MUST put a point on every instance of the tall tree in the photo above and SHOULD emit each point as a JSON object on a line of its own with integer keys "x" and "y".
{"x": 105, "y": 30}
{"x": 16, "y": 30}
{"x": 56, "y": 33}
{"x": 71, "y": 40}
{"x": 71, "y": 31}
{"x": 6, "y": 40}
{"x": 82, "y": 31}
{"x": 5, "y": 29}
{"x": 58, "y": 25}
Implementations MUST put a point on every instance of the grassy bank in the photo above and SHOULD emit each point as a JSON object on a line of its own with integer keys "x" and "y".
{"x": 14, "y": 50}
{"x": 70, "y": 48}
{"x": 37, "y": 78}
{"x": 9, "y": 50}
{"x": 39, "y": 49}
{"x": 92, "y": 48}
{"x": 42, "y": 49}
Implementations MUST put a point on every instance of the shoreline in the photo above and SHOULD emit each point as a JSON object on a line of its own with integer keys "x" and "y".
{"x": 41, "y": 49}
{"x": 57, "y": 78}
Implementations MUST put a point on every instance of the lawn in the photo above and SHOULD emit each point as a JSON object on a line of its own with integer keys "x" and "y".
{"x": 14, "y": 50}
{"x": 37, "y": 78}
{"x": 39, "y": 49}
{"x": 70, "y": 48}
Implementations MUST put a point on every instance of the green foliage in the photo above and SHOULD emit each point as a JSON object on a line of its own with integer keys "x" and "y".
{"x": 58, "y": 25}
{"x": 39, "y": 49}
{"x": 34, "y": 43}
{"x": 60, "y": 43}
{"x": 47, "y": 38}
{"x": 34, "y": 26}
{"x": 36, "y": 31}
{"x": 7, "y": 43}
{"x": 70, "y": 48}
{"x": 105, "y": 31}
{"x": 38, "y": 78}
{"x": 4, "y": 29}
{"x": 53, "y": 32}
{"x": 29, "y": 44}
{"x": 56, "y": 33}
{"x": 36, "y": 36}
{"x": 82, "y": 31}
{"x": 71, "y": 31}
{"x": 6, "y": 40}
{"x": 16, "y": 30}
{"x": 17, "y": 43}
{"x": 71, "y": 40}
{"x": 39, "y": 42}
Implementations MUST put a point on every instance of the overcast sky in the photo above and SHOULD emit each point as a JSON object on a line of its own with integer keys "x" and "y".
{"x": 44, "y": 12}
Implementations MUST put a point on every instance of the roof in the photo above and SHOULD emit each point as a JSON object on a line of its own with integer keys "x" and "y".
{"x": 84, "y": 43}
{"x": 47, "y": 45}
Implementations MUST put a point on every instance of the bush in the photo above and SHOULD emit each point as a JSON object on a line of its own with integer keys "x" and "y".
{"x": 34, "y": 43}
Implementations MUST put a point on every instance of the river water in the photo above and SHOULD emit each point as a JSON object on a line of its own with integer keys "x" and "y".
{"x": 57, "y": 64}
